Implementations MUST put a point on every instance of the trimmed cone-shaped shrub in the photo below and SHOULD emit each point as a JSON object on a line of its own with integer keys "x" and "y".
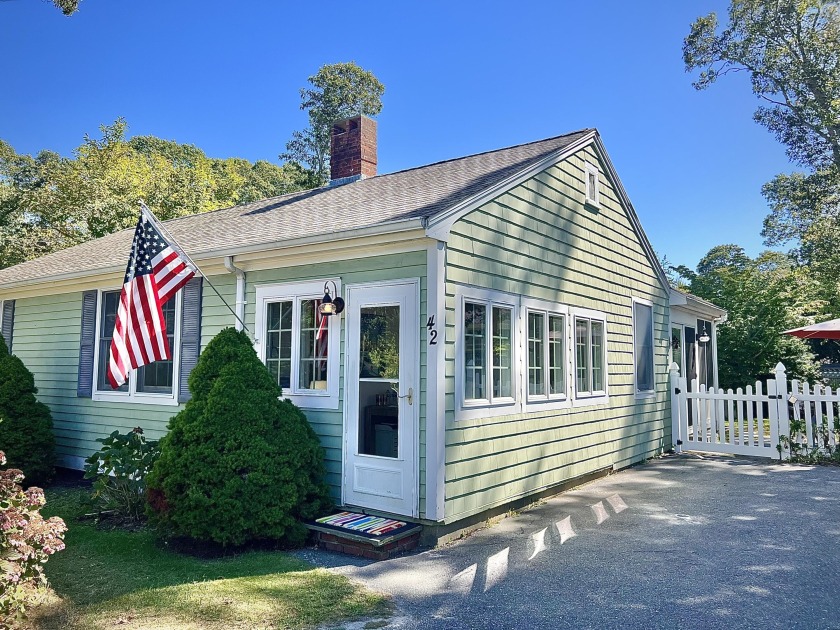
{"x": 238, "y": 463}
{"x": 26, "y": 434}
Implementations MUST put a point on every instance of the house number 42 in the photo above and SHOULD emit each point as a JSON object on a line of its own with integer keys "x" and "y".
{"x": 430, "y": 326}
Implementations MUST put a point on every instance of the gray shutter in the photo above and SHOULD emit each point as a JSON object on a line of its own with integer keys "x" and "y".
{"x": 190, "y": 335}
{"x": 8, "y": 322}
{"x": 87, "y": 345}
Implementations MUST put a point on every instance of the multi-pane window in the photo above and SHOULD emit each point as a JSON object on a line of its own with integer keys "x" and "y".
{"x": 278, "y": 338}
{"x": 156, "y": 378}
{"x": 488, "y": 352}
{"x": 299, "y": 346}
{"x": 107, "y": 319}
{"x": 546, "y": 355}
{"x": 502, "y": 353}
{"x": 643, "y": 346}
{"x": 305, "y": 365}
{"x": 475, "y": 346}
{"x": 590, "y": 360}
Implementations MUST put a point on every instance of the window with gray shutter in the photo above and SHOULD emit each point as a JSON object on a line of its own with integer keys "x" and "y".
{"x": 8, "y": 322}
{"x": 87, "y": 344}
{"x": 190, "y": 335}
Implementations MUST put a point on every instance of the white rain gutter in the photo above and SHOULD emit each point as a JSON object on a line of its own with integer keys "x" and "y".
{"x": 240, "y": 290}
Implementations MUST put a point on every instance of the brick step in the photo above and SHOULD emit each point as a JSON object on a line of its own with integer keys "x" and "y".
{"x": 366, "y": 546}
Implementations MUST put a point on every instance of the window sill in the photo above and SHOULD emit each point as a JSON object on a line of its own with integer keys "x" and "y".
{"x": 167, "y": 400}
{"x": 590, "y": 401}
{"x": 645, "y": 395}
{"x": 546, "y": 404}
{"x": 313, "y": 401}
{"x": 481, "y": 410}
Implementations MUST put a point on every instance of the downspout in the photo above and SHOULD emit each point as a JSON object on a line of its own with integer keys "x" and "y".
{"x": 240, "y": 290}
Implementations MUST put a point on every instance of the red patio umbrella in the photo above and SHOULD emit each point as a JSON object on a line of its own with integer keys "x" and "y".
{"x": 824, "y": 330}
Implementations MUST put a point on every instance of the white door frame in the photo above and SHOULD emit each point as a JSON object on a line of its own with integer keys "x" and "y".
{"x": 406, "y": 293}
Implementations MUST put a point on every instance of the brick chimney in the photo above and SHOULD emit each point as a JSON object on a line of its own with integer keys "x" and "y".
{"x": 352, "y": 150}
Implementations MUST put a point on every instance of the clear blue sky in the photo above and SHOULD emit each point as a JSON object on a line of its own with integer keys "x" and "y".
{"x": 460, "y": 78}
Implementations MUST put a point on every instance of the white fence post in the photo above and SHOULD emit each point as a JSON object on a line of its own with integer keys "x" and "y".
{"x": 782, "y": 410}
{"x": 676, "y": 430}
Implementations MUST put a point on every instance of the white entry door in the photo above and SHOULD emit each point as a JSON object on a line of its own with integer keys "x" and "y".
{"x": 381, "y": 402}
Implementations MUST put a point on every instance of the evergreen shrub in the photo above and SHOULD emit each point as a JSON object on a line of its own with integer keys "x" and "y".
{"x": 238, "y": 464}
{"x": 26, "y": 430}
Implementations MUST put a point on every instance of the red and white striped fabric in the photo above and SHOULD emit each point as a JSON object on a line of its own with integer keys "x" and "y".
{"x": 154, "y": 274}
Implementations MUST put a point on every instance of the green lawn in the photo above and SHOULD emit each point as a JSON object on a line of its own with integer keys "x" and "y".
{"x": 127, "y": 579}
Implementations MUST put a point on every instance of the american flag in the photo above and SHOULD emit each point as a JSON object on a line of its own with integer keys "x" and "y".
{"x": 154, "y": 274}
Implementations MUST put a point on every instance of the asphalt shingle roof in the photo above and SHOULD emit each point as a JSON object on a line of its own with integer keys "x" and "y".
{"x": 415, "y": 193}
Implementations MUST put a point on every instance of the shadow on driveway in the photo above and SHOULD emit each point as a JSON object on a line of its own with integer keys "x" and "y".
{"x": 681, "y": 542}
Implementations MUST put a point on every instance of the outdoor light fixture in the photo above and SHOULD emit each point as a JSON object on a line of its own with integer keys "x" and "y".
{"x": 704, "y": 336}
{"x": 329, "y": 305}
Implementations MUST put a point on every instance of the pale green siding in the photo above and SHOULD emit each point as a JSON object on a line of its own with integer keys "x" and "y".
{"x": 539, "y": 240}
{"x": 46, "y": 338}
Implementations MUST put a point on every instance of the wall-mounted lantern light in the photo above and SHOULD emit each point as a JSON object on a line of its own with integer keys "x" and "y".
{"x": 331, "y": 305}
{"x": 704, "y": 336}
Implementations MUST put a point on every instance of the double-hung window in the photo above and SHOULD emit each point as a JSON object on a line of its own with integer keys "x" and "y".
{"x": 299, "y": 346}
{"x": 488, "y": 353}
{"x": 152, "y": 383}
{"x": 643, "y": 348}
{"x": 590, "y": 354}
{"x": 545, "y": 328}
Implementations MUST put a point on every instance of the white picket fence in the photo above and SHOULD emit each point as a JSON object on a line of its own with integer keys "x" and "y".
{"x": 750, "y": 420}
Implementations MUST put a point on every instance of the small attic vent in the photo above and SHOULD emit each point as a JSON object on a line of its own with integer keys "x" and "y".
{"x": 591, "y": 184}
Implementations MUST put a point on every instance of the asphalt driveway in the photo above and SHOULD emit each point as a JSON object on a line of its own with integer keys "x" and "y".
{"x": 680, "y": 542}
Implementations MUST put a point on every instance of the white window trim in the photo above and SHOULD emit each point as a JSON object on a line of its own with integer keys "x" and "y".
{"x": 133, "y": 396}
{"x": 474, "y": 409}
{"x": 647, "y": 393}
{"x": 587, "y": 399}
{"x": 546, "y": 401}
{"x": 296, "y": 291}
{"x": 592, "y": 199}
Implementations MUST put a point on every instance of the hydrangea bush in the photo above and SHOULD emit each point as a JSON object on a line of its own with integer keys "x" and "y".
{"x": 26, "y": 542}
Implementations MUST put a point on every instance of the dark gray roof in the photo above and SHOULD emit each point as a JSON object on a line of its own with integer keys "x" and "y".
{"x": 411, "y": 194}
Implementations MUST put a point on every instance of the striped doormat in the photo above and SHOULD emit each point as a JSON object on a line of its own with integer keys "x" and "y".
{"x": 362, "y": 523}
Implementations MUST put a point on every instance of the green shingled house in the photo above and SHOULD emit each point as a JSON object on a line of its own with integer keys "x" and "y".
{"x": 507, "y": 325}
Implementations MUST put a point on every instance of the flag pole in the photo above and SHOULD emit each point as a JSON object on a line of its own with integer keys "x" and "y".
{"x": 157, "y": 223}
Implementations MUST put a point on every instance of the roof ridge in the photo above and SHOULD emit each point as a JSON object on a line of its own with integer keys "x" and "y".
{"x": 472, "y": 155}
{"x": 405, "y": 170}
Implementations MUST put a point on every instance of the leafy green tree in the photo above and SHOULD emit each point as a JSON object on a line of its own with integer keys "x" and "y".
{"x": 763, "y": 296}
{"x": 790, "y": 49}
{"x": 68, "y": 7}
{"x": 238, "y": 463}
{"x": 49, "y": 202}
{"x": 337, "y": 91}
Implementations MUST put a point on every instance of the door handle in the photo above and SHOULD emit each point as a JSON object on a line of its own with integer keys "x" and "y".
{"x": 409, "y": 395}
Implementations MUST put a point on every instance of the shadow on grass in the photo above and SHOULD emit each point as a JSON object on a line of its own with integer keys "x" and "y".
{"x": 105, "y": 577}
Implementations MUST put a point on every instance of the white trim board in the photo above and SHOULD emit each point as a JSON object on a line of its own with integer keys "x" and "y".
{"x": 435, "y": 382}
